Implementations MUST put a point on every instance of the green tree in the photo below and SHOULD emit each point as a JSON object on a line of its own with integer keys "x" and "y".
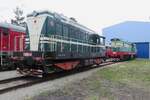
{"x": 19, "y": 18}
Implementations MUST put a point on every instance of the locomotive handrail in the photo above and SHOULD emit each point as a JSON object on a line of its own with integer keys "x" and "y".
{"x": 1, "y": 49}
{"x": 70, "y": 39}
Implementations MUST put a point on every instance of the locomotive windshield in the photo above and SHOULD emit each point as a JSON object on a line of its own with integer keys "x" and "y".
{"x": 115, "y": 49}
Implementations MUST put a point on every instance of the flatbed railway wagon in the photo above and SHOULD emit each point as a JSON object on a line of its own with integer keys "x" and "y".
{"x": 57, "y": 42}
{"x": 11, "y": 40}
{"x": 121, "y": 50}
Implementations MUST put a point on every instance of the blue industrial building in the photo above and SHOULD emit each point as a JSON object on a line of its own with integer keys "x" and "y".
{"x": 132, "y": 31}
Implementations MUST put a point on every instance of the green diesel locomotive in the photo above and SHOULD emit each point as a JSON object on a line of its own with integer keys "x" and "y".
{"x": 55, "y": 42}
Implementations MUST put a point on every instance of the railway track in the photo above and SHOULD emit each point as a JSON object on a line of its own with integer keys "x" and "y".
{"x": 10, "y": 79}
{"x": 22, "y": 82}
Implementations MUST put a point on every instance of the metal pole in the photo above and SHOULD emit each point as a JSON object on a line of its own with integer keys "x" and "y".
{"x": 22, "y": 37}
{"x": 20, "y": 43}
{"x": 15, "y": 44}
{"x": 9, "y": 42}
{"x": 61, "y": 45}
{"x": 1, "y": 49}
{"x": 20, "y": 40}
{"x": 9, "y": 49}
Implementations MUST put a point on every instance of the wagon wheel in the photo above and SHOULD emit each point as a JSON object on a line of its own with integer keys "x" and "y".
{"x": 45, "y": 71}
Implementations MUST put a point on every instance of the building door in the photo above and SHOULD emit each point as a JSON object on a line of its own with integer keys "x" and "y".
{"x": 142, "y": 50}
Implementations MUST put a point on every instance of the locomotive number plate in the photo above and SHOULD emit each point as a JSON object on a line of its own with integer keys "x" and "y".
{"x": 27, "y": 54}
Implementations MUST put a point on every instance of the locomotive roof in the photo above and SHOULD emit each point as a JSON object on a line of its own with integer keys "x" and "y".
{"x": 13, "y": 27}
{"x": 117, "y": 39}
{"x": 99, "y": 36}
{"x": 62, "y": 18}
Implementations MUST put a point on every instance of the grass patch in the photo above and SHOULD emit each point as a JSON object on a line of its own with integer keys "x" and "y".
{"x": 134, "y": 72}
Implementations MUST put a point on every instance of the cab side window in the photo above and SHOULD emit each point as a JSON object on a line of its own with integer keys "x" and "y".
{"x": 59, "y": 29}
{"x": 65, "y": 31}
{"x": 5, "y": 31}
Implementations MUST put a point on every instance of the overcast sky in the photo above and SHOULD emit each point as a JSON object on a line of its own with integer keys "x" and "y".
{"x": 95, "y": 14}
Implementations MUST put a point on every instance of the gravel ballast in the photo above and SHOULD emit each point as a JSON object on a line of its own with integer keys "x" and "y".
{"x": 26, "y": 93}
{"x": 8, "y": 74}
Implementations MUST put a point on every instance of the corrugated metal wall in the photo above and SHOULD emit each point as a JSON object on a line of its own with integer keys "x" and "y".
{"x": 128, "y": 30}
{"x": 143, "y": 49}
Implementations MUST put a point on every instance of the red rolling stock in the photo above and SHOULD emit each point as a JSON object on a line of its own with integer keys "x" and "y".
{"x": 120, "y": 50}
{"x": 12, "y": 39}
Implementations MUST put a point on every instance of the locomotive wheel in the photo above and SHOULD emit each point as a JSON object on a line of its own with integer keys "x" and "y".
{"x": 132, "y": 57}
{"x": 12, "y": 67}
{"x": 44, "y": 75}
{"x": 45, "y": 71}
{"x": 1, "y": 68}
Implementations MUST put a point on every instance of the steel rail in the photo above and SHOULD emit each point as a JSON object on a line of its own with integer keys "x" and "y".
{"x": 34, "y": 80}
